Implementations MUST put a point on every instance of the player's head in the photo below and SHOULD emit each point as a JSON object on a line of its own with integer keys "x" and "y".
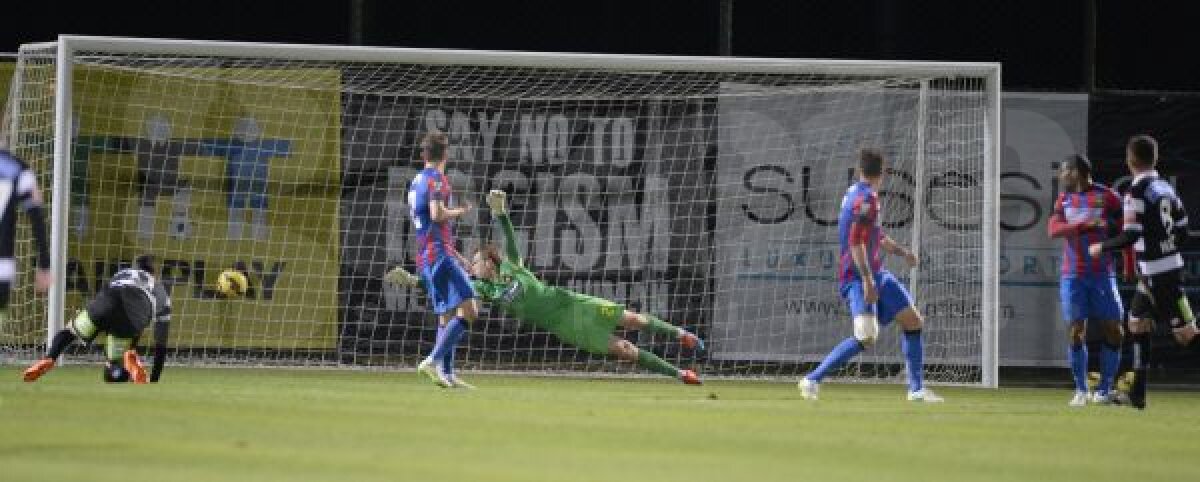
{"x": 486, "y": 262}
{"x": 870, "y": 164}
{"x": 147, "y": 263}
{"x": 435, "y": 146}
{"x": 246, "y": 129}
{"x": 157, "y": 128}
{"x": 1141, "y": 152}
{"x": 1075, "y": 173}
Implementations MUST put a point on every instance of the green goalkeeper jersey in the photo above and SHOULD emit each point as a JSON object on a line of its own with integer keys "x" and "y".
{"x": 576, "y": 318}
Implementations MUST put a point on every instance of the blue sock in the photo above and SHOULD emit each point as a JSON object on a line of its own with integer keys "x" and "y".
{"x": 841, "y": 354}
{"x": 913, "y": 346}
{"x": 454, "y": 333}
{"x": 1078, "y": 356}
{"x": 1110, "y": 359}
{"x": 441, "y": 333}
{"x": 442, "y": 344}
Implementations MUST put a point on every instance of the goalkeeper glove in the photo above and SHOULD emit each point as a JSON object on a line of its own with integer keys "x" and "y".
{"x": 401, "y": 277}
{"x": 497, "y": 200}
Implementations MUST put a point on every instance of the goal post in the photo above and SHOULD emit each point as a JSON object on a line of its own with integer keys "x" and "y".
{"x": 699, "y": 189}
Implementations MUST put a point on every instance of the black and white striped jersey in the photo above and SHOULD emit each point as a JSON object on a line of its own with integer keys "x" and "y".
{"x": 155, "y": 292}
{"x": 1155, "y": 216}
{"x": 17, "y": 186}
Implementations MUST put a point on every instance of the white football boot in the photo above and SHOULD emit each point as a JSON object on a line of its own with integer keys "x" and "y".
{"x": 808, "y": 389}
{"x": 1080, "y": 399}
{"x": 925, "y": 395}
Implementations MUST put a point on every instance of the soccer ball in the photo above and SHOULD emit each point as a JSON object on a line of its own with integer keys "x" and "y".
{"x": 232, "y": 283}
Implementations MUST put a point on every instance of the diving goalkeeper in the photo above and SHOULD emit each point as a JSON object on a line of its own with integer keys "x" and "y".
{"x": 122, "y": 310}
{"x": 577, "y": 319}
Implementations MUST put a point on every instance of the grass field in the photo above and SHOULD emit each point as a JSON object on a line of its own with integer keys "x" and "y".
{"x": 242, "y": 424}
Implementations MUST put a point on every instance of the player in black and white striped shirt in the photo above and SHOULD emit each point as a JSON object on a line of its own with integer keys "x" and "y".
{"x": 1155, "y": 224}
{"x": 19, "y": 193}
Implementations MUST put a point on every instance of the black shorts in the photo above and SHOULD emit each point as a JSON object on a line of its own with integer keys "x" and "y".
{"x": 1160, "y": 297}
{"x": 122, "y": 312}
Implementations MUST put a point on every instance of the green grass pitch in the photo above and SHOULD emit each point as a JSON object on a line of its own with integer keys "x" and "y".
{"x": 294, "y": 425}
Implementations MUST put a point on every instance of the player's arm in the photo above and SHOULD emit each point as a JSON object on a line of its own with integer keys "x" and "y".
{"x": 162, "y": 328}
{"x": 860, "y": 232}
{"x": 892, "y": 247}
{"x": 497, "y": 201}
{"x": 30, "y": 198}
{"x": 439, "y": 211}
{"x": 1179, "y": 224}
{"x": 1114, "y": 218}
{"x": 1131, "y": 228}
{"x": 1058, "y": 227}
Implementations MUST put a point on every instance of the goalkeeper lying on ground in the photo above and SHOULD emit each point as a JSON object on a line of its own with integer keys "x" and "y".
{"x": 577, "y": 319}
{"x": 123, "y": 309}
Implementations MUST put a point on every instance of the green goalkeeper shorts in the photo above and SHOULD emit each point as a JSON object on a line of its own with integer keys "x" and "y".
{"x": 586, "y": 321}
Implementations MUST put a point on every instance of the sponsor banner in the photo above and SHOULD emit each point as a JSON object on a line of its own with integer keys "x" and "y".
{"x": 785, "y": 161}
{"x": 212, "y": 169}
{"x": 608, "y": 198}
{"x": 1040, "y": 129}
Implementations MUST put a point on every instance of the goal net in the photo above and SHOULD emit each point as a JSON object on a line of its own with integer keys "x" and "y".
{"x": 702, "y": 190}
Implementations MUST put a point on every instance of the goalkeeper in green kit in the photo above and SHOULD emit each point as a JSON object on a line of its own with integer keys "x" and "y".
{"x": 577, "y": 319}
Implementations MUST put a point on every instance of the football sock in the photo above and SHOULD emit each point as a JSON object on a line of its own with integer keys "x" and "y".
{"x": 1110, "y": 359}
{"x": 454, "y": 333}
{"x": 1141, "y": 357}
{"x": 655, "y": 364}
{"x": 61, "y": 341}
{"x": 1078, "y": 355}
{"x": 841, "y": 353}
{"x": 913, "y": 346}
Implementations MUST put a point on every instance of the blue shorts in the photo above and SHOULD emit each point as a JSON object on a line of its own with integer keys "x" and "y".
{"x": 1090, "y": 298}
{"x": 447, "y": 283}
{"x": 893, "y": 298}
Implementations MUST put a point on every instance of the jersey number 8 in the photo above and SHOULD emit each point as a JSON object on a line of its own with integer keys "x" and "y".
{"x": 1168, "y": 221}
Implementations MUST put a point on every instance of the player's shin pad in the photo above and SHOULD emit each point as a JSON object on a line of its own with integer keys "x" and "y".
{"x": 83, "y": 327}
{"x": 114, "y": 348}
{"x": 866, "y": 329}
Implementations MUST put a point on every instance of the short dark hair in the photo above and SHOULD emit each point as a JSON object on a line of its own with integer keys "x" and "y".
{"x": 1079, "y": 163}
{"x": 870, "y": 162}
{"x": 146, "y": 262}
{"x": 1144, "y": 150}
{"x": 434, "y": 144}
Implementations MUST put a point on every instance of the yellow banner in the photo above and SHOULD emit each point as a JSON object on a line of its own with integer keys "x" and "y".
{"x": 212, "y": 169}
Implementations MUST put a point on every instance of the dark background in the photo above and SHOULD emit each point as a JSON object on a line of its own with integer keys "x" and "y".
{"x": 1043, "y": 44}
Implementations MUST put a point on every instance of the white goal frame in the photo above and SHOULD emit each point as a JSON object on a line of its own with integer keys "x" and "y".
{"x": 68, "y": 45}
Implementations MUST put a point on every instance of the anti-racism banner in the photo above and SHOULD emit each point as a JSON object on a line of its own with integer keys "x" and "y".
{"x": 212, "y": 169}
{"x": 608, "y": 198}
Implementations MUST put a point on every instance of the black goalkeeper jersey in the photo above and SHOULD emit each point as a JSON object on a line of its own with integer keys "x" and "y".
{"x": 160, "y": 302}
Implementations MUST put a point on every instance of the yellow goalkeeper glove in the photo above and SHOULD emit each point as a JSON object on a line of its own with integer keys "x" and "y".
{"x": 402, "y": 277}
{"x": 497, "y": 200}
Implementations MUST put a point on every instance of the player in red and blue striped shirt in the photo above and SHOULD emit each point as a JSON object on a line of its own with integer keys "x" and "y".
{"x": 874, "y": 295}
{"x": 438, "y": 261}
{"x": 1086, "y": 213}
